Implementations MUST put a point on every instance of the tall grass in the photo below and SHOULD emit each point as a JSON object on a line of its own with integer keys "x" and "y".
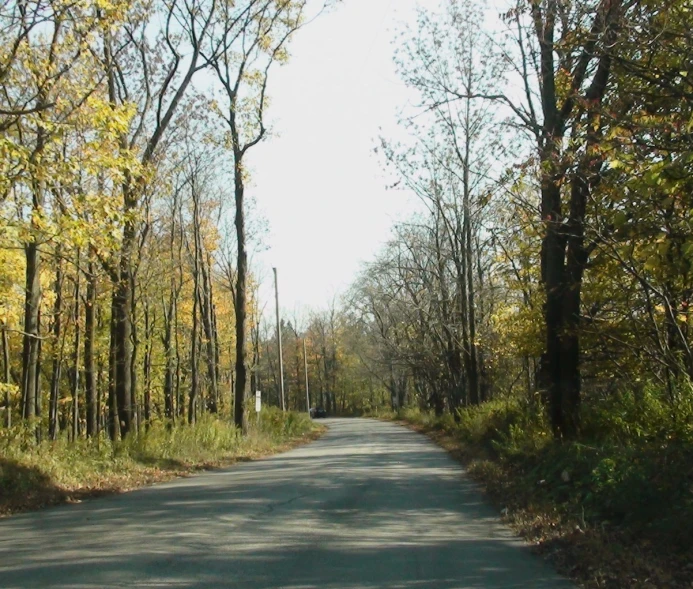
{"x": 632, "y": 466}
{"x": 158, "y": 452}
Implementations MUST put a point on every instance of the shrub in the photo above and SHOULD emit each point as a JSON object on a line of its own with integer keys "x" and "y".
{"x": 632, "y": 466}
{"x": 52, "y": 468}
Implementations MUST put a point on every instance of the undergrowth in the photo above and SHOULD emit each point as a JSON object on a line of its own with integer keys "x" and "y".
{"x": 53, "y": 471}
{"x": 632, "y": 467}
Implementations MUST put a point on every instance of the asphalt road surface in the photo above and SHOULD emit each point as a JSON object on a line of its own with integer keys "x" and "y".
{"x": 370, "y": 505}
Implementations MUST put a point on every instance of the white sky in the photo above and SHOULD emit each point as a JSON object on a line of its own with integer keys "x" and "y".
{"x": 317, "y": 180}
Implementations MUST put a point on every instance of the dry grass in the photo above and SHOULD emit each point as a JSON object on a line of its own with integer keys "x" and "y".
{"x": 32, "y": 477}
{"x": 596, "y": 556}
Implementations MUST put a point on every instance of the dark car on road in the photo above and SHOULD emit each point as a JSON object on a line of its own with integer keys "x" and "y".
{"x": 318, "y": 412}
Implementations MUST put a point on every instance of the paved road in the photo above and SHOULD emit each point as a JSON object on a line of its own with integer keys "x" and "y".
{"x": 370, "y": 505}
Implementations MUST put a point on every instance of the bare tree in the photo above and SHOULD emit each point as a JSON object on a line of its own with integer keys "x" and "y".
{"x": 251, "y": 37}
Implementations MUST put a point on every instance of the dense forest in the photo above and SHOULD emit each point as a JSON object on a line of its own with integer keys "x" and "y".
{"x": 551, "y": 262}
{"x": 126, "y": 296}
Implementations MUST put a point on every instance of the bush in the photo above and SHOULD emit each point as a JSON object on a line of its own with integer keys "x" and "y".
{"x": 31, "y": 474}
{"x": 648, "y": 416}
{"x": 632, "y": 466}
{"x": 208, "y": 437}
{"x": 279, "y": 425}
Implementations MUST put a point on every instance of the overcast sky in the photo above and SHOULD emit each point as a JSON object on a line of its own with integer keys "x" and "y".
{"x": 317, "y": 180}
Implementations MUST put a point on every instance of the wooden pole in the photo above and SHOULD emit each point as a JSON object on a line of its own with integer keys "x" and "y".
{"x": 305, "y": 367}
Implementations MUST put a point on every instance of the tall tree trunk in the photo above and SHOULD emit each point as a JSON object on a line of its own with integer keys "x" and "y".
{"x": 75, "y": 356}
{"x": 113, "y": 422}
{"x": 147, "y": 368}
{"x": 562, "y": 268}
{"x": 89, "y": 343}
{"x": 575, "y": 264}
{"x": 38, "y": 405}
{"x": 170, "y": 339}
{"x": 460, "y": 262}
{"x": 6, "y": 376}
{"x": 53, "y": 402}
{"x": 241, "y": 292}
{"x": 215, "y": 331}
{"x": 99, "y": 400}
{"x": 197, "y": 304}
{"x": 208, "y": 326}
{"x": 179, "y": 393}
{"x": 194, "y": 369}
{"x": 552, "y": 258}
{"x": 30, "y": 354}
{"x": 468, "y": 252}
{"x": 120, "y": 370}
{"x": 298, "y": 366}
{"x": 32, "y": 301}
{"x": 121, "y": 332}
{"x": 169, "y": 374}
{"x": 135, "y": 346}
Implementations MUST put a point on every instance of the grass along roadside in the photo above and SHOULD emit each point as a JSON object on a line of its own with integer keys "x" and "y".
{"x": 612, "y": 511}
{"x": 33, "y": 476}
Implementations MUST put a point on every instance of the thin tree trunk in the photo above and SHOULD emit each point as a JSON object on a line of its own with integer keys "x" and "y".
{"x": 135, "y": 346}
{"x": 169, "y": 374}
{"x": 6, "y": 376}
{"x": 113, "y": 422}
{"x": 75, "y": 355}
{"x": 215, "y": 331}
{"x": 194, "y": 372}
{"x": 197, "y": 295}
{"x": 147, "y": 368}
{"x": 53, "y": 403}
{"x": 298, "y": 366}
{"x": 170, "y": 339}
{"x": 208, "y": 326}
{"x": 99, "y": 401}
{"x": 32, "y": 302}
{"x": 89, "y": 342}
{"x": 475, "y": 393}
{"x": 31, "y": 325}
{"x": 38, "y": 405}
{"x": 179, "y": 393}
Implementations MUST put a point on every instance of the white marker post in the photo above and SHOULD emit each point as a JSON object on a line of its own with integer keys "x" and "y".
{"x": 258, "y": 405}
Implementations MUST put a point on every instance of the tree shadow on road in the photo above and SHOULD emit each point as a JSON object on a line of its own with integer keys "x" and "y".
{"x": 389, "y": 513}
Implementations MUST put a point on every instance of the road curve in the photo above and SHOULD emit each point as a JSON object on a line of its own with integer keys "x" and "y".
{"x": 370, "y": 505}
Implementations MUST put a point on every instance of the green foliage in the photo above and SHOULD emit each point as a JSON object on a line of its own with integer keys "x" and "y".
{"x": 207, "y": 438}
{"x": 649, "y": 416}
{"x": 279, "y": 425}
{"x": 632, "y": 466}
{"x": 506, "y": 427}
{"x": 28, "y": 469}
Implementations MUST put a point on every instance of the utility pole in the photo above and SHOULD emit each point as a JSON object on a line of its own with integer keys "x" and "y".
{"x": 279, "y": 338}
{"x": 305, "y": 367}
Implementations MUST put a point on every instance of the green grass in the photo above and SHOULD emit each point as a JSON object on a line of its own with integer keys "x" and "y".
{"x": 633, "y": 465}
{"x": 52, "y": 472}
{"x": 626, "y": 485}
